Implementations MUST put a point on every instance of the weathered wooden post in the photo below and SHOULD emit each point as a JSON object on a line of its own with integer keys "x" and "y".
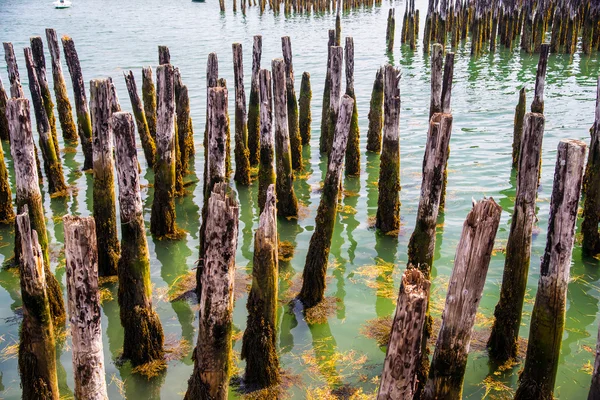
{"x": 388, "y": 202}
{"x": 144, "y": 337}
{"x": 548, "y": 317}
{"x": 287, "y": 204}
{"x": 105, "y": 213}
{"x": 376, "y": 114}
{"x": 212, "y": 356}
{"x": 28, "y": 193}
{"x": 292, "y": 105}
{"x": 81, "y": 254}
{"x": 353, "y": 148}
{"x": 537, "y": 105}
{"x": 16, "y": 90}
{"x": 179, "y": 170}
{"x": 259, "y": 347}
{"x": 242, "y": 161}
{"x": 591, "y": 188}
{"x": 266, "y": 167}
{"x": 84, "y": 122}
{"x": 63, "y": 105}
{"x": 390, "y": 30}
{"x": 212, "y": 76}
{"x": 164, "y": 56}
{"x": 324, "y": 139}
{"x": 52, "y": 164}
{"x": 254, "y": 104}
{"x": 435, "y": 106}
{"x": 594, "y": 393}
{"x": 7, "y": 214}
{"x": 3, "y": 121}
{"x": 503, "y": 341}
{"x": 335, "y": 82}
{"x": 398, "y": 379}
{"x": 185, "y": 132}
{"x": 305, "y": 113}
{"x": 149, "y": 98}
{"x": 162, "y": 220}
{"x": 446, "y": 103}
{"x": 37, "y": 351}
{"x": 518, "y": 127}
{"x": 146, "y": 138}
{"x": 315, "y": 269}
{"x": 471, "y": 264}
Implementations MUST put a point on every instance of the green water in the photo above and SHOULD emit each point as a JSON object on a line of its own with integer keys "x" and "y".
{"x": 111, "y": 37}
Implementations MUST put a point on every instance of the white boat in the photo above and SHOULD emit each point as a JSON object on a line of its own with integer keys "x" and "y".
{"x": 62, "y": 4}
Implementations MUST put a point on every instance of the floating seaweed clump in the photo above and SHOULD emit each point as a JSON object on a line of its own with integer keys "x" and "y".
{"x": 286, "y": 250}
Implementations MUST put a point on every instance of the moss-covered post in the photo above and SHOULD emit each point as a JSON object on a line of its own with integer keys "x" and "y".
{"x": 259, "y": 347}
{"x": 315, "y": 269}
{"x": 376, "y": 114}
{"x": 28, "y": 193}
{"x": 471, "y": 263}
{"x": 335, "y": 81}
{"x": 63, "y": 105}
{"x": 435, "y": 105}
{"x": 242, "y": 161}
{"x": 292, "y": 105}
{"x": 37, "y": 351}
{"x": 144, "y": 337}
{"x": 221, "y": 82}
{"x": 105, "y": 213}
{"x": 7, "y": 214}
{"x": 398, "y": 379}
{"x": 185, "y": 132}
{"x": 287, "y": 203}
{"x": 84, "y": 122}
{"x": 52, "y": 164}
{"x": 324, "y": 138}
{"x": 518, "y": 127}
{"x": 353, "y": 148}
{"x": 390, "y": 30}
{"x": 3, "y": 121}
{"x": 388, "y": 202}
{"x": 212, "y": 356}
{"x": 149, "y": 98}
{"x": 81, "y": 254}
{"x": 254, "y": 104}
{"x": 146, "y": 138}
{"x": 591, "y": 203}
{"x": 266, "y": 167}
{"x": 16, "y": 90}
{"x": 548, "y": 317}
{"x": 162, "y": 220}
{"x": 305, "y": 113}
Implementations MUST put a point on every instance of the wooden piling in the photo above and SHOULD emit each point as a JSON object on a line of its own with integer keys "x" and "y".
{"x": 292, "y": 105}
{"x": 398, "y": 378}
{"x": 143, "y": 341}
{"x": 7, "y": 214}
{"x": 353, "y": 148}
{"x": 242, "y": 162}
{"x": 591, "y": 188}
{"x": 212, "y": 76}
{"x": 184, "y": 131}
{"x": 105, "y": 213}
{"x": 518, "y": 127}
{"x": 164, "y": 56}
{"x": 503, "y": 341}
{"x": 149, "y": 98}
{"x": 3, "y": 121}
{"x": 390, "y": 30}
{"x": 212, "y": 356}
{"x": 81, "y": 255}
{"x": 537, "y": 105}
{"x": 254, "y": 104}
{"x": 16, "y": 90}
{"x": 435, "y": 105}
{"x": 594, "y": 393}
{"x": 259, "y": 347}
{"x": 287, "y": 203}
{"x": 376, "y": 114}
{"x": 146, "y": 138}
{"x": 221, "y": 82}
{"x": 324, "y": 139}
{"x": 335, "y": 82}
{"x": 548, "y": 317}
{"x": 315, "y": 269}
{"x": 266, "y": 167}
{"x": 446, "y": 103}
{"x": 471, "y": 264}
{"x": 37, "y": 348}
{"x": 305, "y": 113}
{"x": 84, "y": 122}
{"x": 388, "y": 202}
{"x": 63, "y": 104}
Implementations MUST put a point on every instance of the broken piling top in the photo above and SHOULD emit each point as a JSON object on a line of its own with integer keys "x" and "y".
{"x": 537, "y": 105}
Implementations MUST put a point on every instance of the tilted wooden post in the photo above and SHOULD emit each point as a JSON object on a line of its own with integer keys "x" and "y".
{"x": 518, "y": 127}
{"x": 324, "y": 139}
{"x": 212, "y": 76}
{"x": 16, "y": 90}
{"x": 149, "y": 98}
{"x": 146, "y": 138}
{"x": 591, "y": 204}
{"x": 315, "y": 269}
{"x": 81, "y": 255}
{"x": 292, "y": 105}
{"x": 376, "y": 114}
{"x": 242, "y": 162}
{"x": 304, "y": 109}
{"x": 28, "y": 193}
{"x": 388, "y": 202}
{"x": 185, "y": 131}
{"x": 471, "y": 264}
{"x": 353, "y": 148}
{"x": 437, "y": 60}
{"x": 254, "y": 106}
{"x": 7, "y": 214}
{"x": 259, "y": 347}
{"x": 212, "y": 356}
{"x": 548, "y": 317}
{"x": 52, "y": 164}
{"x": 162, "y": 221}
{"x": 105, "y": 213}
{"x": 537, "y": 105}
{"x": 37, "y": 348}
{"x": 335, "y": 82}
{"x": 398, "y": 379}
{"x": 503, "y": 341}
{"x": 63, "y": 105}
{"x": 266, "y": 167}
{"x": 287, "y": 204}
{"x": 446, "y": 103}
{"x": 3, "y": 121}
{"x": 144, "y": 337}
{"x": 84, "y": 122}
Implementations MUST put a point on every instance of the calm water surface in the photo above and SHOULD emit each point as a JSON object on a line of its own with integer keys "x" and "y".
{"x": 365, "y": 267}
